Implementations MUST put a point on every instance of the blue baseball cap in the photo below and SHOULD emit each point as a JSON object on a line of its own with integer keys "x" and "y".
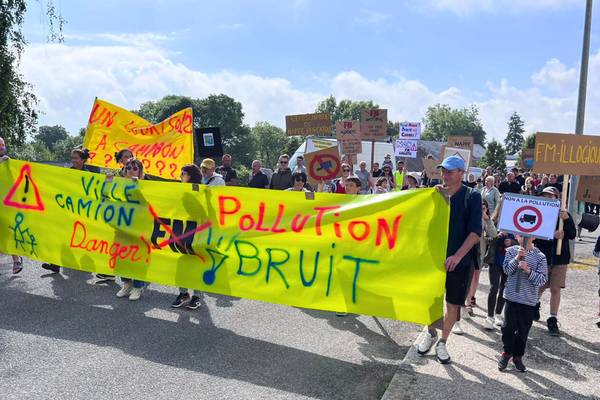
{"x": 453, "y": 162}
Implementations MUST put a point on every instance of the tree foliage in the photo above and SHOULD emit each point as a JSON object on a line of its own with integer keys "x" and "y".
{"x": 62, "y": 149}
{"x": 214, "y": 111}
{"x": 51, "y": 135}
{"x": 442, "y": 121}
{"x": 514, "y": 139}
{"x": 529, "y": 142}
{"x": 495, "y": 156}
{"x": 269, "y": 142}
{"x": 18, "y": 115}
{"x": 32, "y": 151}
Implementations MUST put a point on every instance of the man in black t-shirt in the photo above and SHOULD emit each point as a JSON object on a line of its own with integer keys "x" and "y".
{"x": 257, "y": 179}
{"x": 229, "y": 174}
{"x": 519, "y": 178}
{"x": 552, "y": 182}
{"x": 509, "y": 185}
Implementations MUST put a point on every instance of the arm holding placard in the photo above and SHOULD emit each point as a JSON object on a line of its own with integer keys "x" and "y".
{"x": 563, "y": 207}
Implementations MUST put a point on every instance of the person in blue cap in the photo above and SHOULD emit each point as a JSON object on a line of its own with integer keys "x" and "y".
{"x": 464, "y": 232}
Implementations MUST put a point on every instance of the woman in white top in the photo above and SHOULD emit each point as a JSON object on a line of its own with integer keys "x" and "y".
{"x": 490, "y": 194}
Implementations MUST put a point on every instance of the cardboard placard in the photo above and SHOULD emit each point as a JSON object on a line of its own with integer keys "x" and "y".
{"x": 431, "y": 169}
{"x": 563, "y": 153}
{"x": 410, "y": 130}
{"x": 373, "y": 124}
{"x": 313, "y": 145}
{"x": 465, "y": 154}
{"x": 527, "y": 159}
{"x": 530, "y": 216}
{"x": 349, "y": 136}
{"x": 588, "y": 190}
{"x": 308, "y": 124}
{"x": 405, "y": 148}
{"x": 323, "y": 165}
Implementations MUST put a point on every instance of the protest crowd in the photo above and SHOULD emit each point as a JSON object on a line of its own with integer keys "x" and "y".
{"x": 474, "y": 242}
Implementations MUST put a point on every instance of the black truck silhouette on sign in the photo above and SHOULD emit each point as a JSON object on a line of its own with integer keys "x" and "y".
{"x": 528, "y": 218}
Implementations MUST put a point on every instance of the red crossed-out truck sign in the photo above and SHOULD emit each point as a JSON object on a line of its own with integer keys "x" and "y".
{"x": 530, "y": 216}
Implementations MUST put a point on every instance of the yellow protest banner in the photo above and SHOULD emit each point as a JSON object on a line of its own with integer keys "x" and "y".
{"x": 380, "y": 255}
{"x": 163, "y": 148}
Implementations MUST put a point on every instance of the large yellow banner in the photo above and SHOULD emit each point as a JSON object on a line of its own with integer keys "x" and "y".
{"x": 163, "y": 148}
{"x": 380, "y": 255}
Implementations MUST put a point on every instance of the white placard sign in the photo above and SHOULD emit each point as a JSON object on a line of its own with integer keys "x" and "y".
{"x": 529, "y": 216}
{"x": 405, "y": 148}
{"x": 410, "y": 130}
{"x": 313, "y": 145}
{"x": 465, "y": 154}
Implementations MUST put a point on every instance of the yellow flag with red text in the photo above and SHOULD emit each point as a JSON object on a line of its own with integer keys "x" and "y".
{"x": 163, "y": 148}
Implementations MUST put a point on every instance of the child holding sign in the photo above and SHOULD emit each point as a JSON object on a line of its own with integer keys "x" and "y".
{"x": 529, "y": 266}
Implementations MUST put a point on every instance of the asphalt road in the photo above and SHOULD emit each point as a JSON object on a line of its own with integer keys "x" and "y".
{"x": 63, "y": 336}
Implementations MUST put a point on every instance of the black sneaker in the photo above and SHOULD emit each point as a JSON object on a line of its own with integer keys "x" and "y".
{"x": 552, "y": 326}
{"x": 194, "y": 303}
{"x": 103, "y": 277}
{"x": 180, "y": 300}
{"x": 503, "y": 362}
{"x": 536, "y": 311}
{"x": 51, "y": 267}
{"x": 519, "y": 365}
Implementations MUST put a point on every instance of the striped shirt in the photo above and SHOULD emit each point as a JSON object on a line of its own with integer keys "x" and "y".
{"x": 536, "y": 261}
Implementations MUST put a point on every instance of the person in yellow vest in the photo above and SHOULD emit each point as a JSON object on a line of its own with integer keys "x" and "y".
{"x": 399, "y": 175}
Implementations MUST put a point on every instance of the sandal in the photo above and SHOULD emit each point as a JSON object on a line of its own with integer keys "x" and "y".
{"x": 18, "y": 266}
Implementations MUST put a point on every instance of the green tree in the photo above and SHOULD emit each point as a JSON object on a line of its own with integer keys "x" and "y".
{"x": 344, "y": 110}
{"x": 393, "y": 129}
{"x": 442, "y": 121}
{"x": 32, "y": 151}
{"x": 529, "y": 142}
{"x": 214, "y": 111}
{"x": 291, "y": 145}
{"x": 50, "y": 135}
{"x": 514, "y": 139}
{"x": 18, "y": 115}
{"x": 269, "y": 142}
{"x": 495, "y": 156}
{"x": 62, "y": 149}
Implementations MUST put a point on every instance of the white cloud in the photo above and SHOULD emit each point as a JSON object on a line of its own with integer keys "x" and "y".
{"x": 465, "y": 8}
{"x": 231, "y": 26}
{"x": 367, "y": 17}
{"x": 67, "y": 78}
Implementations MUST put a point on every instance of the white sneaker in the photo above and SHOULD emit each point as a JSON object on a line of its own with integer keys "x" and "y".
{"x": 488, "y": 324}
{"x": 464, "y": 314}
{"x": 499, "y": 320}
{"x": 457, "y": 329}
{"x": 126, "y": 289}
{"x": 135, "y": 294}
{"x": 426, "y": 343}
{"x": 442, "y": 353}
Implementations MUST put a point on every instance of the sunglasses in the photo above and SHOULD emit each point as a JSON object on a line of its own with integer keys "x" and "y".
{"x": 346, "y": 170}
{"x": 386, "y": 169}
{"x": 283, "y": 162}
{"x": 298, "y": 179}
{"x": 129, "y": 168}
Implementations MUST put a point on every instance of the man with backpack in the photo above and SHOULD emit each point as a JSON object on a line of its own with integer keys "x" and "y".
{"x": 464, "y": 231}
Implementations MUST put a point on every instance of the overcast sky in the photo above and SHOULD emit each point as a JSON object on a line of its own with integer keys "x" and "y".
{"x": 283, "y": 57}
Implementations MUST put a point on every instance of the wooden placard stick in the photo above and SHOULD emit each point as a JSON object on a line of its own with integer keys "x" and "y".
{"x": 563, "y": 207}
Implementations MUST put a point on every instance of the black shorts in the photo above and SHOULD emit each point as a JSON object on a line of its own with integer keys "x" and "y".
{"x": 457, "y": 285}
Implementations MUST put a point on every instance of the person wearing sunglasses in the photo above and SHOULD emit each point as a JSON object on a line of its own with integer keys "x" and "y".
{"x": 282, "y": 179}
{"x": 299, "y": 181}
{"x": 209, "y": 177}
{"x": 190, "y": 173}
{"x": 339, "y": 184}
{"x": 121, "y": 157}
{"x": 387, "y": 174}
{"x": 134, "y": 170}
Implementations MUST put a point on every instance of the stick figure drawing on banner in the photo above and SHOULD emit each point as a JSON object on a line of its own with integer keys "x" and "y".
{"x": 22, "y": 235}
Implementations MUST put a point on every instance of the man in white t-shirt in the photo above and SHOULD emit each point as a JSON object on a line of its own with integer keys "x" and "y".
{"x": 209, "y": 178}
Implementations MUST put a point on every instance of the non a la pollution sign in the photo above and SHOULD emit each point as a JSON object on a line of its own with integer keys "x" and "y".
{"x": 335, "y": 252}
{"x": 163, "y": 148}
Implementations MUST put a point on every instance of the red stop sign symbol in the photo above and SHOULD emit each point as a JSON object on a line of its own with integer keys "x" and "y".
{"x": 527, "y": 219}
{"x": 324, "y": 167}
